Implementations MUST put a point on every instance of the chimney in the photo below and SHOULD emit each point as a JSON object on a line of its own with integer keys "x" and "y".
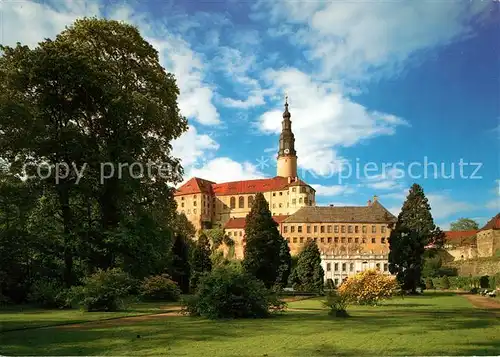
{"x": 375, "y": 198}
{"x": 369, "y": 203}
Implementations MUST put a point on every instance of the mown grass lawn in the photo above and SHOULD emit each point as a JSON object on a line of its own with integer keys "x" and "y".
{"x": 27, "y": 317}
{"x": 433, "y": 324}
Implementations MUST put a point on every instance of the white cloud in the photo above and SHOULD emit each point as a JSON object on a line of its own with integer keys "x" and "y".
{"x": 29, "y": 23}
{"x": 192, "y": 147}
{"x": 333, "y": 190}
{"x": 323, "y": 120}
{"x": 389, "y": 179}
{"x": 351, "y": 39}
{"x": 494, "y": 204}
{"x": 224, "y": 169}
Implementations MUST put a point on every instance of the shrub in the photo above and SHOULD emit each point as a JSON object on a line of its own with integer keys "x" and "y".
{"x": 105, "y": 290}
{"x": 160, "y": 287}
{"x": 484, "y": 282}
{"x": 429, "y": 284}
{"x": 337, "y": 303}
{"x": 444, "y": 282}
{"x": 49, "y": 294}
{"x": 368, "y": 287}
{"x": 231, "y": 293}
{"x": 330, "y": 285}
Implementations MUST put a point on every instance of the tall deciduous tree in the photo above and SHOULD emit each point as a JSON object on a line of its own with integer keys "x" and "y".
{"x": 464, "y": 224}
{"x": 97, "y": 99}
{"x": 308, "y": 274}
{"x": 263, "y": 243}
{"x": 413, "y": 232}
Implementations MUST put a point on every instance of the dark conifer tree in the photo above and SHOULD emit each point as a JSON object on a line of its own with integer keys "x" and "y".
{"x": 263, "y": 243}
{"x": 200, "y": 260}
{"x": 413, "y": 232}
{"x": 308, "y": 274}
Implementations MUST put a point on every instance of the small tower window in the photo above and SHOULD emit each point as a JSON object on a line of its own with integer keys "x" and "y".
{"x": 241, "y": 202}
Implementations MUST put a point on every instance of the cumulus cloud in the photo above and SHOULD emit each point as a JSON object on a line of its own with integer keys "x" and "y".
{"x": 224, "y": 169}
{"x": 352, "y": 39}
{"x": 323, "y": 120}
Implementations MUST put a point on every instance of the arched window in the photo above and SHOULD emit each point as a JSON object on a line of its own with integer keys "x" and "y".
{"x": 241, "y": 202}
{"x": 232, "y": 202}
{"x": 250, "y": 201}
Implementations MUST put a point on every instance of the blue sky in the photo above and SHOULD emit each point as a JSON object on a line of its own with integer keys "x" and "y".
{"x": 374, "y": 83}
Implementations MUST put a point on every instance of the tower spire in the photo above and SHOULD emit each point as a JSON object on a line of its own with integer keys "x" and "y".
{"x": 287, "y": 156}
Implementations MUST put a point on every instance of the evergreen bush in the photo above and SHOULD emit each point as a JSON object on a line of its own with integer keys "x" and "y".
{"x": 337, "y": 303}
{"x": 49, "y": 294}
{"x": 160, "y": 287}
{"x": 231, "y": 293}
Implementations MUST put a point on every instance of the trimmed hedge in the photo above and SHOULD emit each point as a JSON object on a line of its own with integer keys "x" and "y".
{"x": 466, "y": 282}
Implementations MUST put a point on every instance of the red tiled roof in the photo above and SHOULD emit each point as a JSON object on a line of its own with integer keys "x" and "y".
{"x": 197, "y": 185}
{"x": 458, "y": 236}
{"x": 493, "y": 223}
{"x": 239, "y": 223}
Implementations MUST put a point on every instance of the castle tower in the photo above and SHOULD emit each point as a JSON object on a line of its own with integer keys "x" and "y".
{"x": 287, "y": 156}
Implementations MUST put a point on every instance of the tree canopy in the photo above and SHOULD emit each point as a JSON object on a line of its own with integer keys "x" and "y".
{"x": 464, "y": 224}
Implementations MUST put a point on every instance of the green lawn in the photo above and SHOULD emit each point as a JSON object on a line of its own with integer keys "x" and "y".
{"x": 26, "y": 317}
{"x": 433, "y": 324}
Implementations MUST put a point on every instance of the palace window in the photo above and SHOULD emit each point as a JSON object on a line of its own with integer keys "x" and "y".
{"x": 250, "y": 201}
{"x": 274, "y": 194}
{"x": 288, "y": 240}
{"x": 349, "y": 229}
{"x": 377, "y": 266}
{"x": 294, "y": 201}
{"x": 281, "y": 193}
{"x": 356, "y": 229}
{"x": 349, "y": 240}
{"x": 329, "y": 239}
{"x": 182, "y": 204}
{"x": 274, "y": 205}
{"x": 344, "y": 267}
{"x": 300, "y": 199}
{"x": 322, "y": 229}
{"x": 189, "y": 211}
{"x": 342, "y": 229}
{"x": 293, "y": 189}
{"x": 232, "y": 202}
{"x": 295, "y": 239}
{"x": 364, "y": 240}
{"x": 382, "y": 240}
{"x": 336, "y": 266}
{"x": 305, "y": 200}
{"x": 280, "y": 205}
{"x": 351, "y": 267}
{"x": 315, "y": 240}
{"x": 299, "y": 229}
{"x": 336, "y": 229}
{"x": 364, "y": 229}
{"x": 308, "y": 229}
{"x": 302, "y": 189}
{"x": 342, "y": 240}
{"x": 382, "y": 229}
{"x": 315, "y": 229}
{"x": 292, "y": 229}
{"x": 301, "y": 239}
{"x": 374, "y": 229}
{"x": 328, "y": 266}
{"x": 322, "y": 240}
{"x": 194, "y": 210}
{"x": 241, "y": 202}
{"x": 182, "y": 198}
{"x": 386, "y": 267}
{"x": 285, "y": 229}
{"x": 336, "y": 239}
{"x": 336, "y": 282}
{"x": 241, "y": 233}
{"x": 356, "y": 240}
{"x": 329, "y": 229}
{"x": 194, "y": 203}
{"x": 373, "y": 240}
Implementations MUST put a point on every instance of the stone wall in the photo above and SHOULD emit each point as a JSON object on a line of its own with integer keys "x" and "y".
{"x": 488, "y": 242}
{"x": 476, "y": 267}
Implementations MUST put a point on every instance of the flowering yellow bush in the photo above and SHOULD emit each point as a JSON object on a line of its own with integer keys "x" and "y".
{"x": 368, "y": 287}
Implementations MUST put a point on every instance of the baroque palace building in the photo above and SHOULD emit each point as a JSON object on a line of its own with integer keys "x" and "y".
{"x": 351, "y": 239}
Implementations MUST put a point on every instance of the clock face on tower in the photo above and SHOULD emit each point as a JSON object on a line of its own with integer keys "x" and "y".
{"x": 286, "y": 151}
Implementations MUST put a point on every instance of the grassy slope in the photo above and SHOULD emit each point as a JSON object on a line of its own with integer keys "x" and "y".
{"x": 436, "y": 324}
